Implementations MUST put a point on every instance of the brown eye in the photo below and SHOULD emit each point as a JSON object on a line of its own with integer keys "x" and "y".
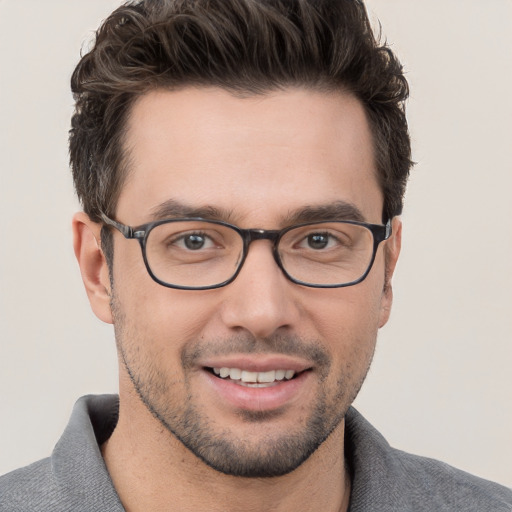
{"x": 191, "y": 241}
{"x": 194, "y": 242}
{"x": 318, "y": 240}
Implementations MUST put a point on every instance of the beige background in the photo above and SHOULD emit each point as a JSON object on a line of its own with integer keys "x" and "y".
{"x": 441, "y": 384}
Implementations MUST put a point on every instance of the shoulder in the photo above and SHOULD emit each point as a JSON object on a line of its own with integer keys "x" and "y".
{"x": 387, "y": 479}
{"x": 447, "y": 488}
{"x": 75, "y": 477}
{"x": 29, "y": 488}
{"x": 38, "y": 488}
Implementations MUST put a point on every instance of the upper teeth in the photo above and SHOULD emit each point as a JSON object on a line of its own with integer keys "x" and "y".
{"x": 245, "y": 376}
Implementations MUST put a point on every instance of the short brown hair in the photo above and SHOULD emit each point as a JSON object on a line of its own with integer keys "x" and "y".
{"x": 243, "y": 46}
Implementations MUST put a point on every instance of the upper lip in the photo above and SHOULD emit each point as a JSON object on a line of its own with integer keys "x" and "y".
{"x": 259, "y": 363}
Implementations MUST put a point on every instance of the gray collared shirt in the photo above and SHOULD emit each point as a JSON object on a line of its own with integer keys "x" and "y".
{"x": 74, "y": 478}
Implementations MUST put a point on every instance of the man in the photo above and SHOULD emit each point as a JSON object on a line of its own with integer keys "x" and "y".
{"x": 241, "y": 166}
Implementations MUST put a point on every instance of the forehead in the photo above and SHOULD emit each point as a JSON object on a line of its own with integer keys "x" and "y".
{"x": 257, "y": 157}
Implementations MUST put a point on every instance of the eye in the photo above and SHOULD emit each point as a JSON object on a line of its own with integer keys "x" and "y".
{"x": 318, "y": 241}
{"x": 194, "y": 241}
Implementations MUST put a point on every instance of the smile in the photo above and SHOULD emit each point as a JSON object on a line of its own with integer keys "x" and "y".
{"x": 254, "y": 379}
{"x": 258, "y": 383}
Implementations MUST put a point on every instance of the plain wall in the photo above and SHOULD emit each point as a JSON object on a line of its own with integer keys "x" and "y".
{"x": 441, "y": 382}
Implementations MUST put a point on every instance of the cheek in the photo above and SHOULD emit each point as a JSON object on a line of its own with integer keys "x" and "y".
{"x": 347, "y": 322}
{"x": 160, "y": 317}
{"x": 347, "y": 314}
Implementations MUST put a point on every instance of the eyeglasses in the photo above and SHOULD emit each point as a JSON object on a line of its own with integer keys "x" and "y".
{"x": 201, "y": 254}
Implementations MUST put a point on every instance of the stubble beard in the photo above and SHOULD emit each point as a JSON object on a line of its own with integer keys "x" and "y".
{"x": 275, "y": 454}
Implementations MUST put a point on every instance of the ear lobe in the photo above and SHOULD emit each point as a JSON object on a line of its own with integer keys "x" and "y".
{"x": 391, "y": 252}
{"x": 93, "y": 266}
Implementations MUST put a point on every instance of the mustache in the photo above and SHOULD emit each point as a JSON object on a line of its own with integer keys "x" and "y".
{"x": 278, "y": 344}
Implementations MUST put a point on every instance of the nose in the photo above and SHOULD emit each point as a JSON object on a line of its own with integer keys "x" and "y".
{"x": 261, "y": 300}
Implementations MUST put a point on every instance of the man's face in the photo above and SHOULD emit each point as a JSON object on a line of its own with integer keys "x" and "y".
{"x": 257, "y": 162}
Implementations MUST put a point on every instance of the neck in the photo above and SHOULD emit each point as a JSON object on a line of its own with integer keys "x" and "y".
{"x": 151, "y": 469}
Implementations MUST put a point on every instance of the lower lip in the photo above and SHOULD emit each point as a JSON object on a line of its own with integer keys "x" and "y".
{"x": 255, "y": 398}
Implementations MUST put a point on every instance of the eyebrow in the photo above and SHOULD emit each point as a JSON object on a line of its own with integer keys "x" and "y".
{"x": 171, "y": 209}
{"x": 338, "y": 210}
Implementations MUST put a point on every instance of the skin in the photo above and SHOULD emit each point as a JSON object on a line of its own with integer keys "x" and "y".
{"x": 256, "y": 159}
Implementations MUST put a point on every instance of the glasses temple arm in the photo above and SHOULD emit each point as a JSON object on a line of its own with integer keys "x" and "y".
{"x": 125, "y": 230}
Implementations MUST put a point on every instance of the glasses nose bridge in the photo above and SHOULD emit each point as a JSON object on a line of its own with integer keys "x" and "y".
{"x": 251, "y": 235}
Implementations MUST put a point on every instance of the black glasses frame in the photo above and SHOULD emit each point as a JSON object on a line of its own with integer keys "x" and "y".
{"x": 380, "y": 233}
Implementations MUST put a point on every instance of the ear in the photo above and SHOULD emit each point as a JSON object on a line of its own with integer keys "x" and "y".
{"x": 392, "y": 248}
{"x": 93, "y": 266}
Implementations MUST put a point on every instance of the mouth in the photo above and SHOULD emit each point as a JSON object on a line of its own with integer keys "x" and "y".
{"x": 267, "y": 383}
{"x": 254, "y": 379}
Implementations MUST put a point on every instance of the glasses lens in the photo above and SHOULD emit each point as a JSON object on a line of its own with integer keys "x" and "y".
{"x": 193, "y": 253}
{"x": 327, "y": 253}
